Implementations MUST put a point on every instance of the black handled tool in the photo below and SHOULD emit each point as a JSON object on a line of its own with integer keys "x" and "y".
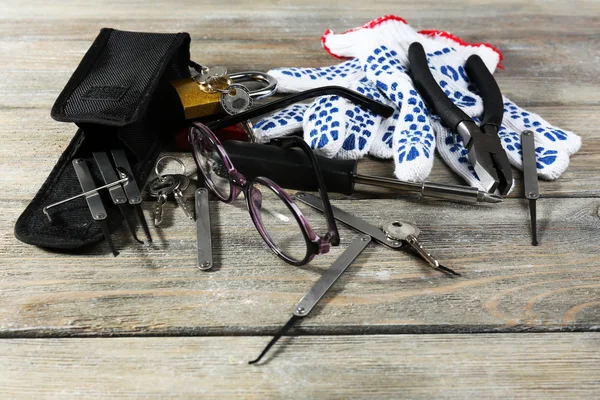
{"x": 292, "y": 169}
{"x": 485, "y": 152}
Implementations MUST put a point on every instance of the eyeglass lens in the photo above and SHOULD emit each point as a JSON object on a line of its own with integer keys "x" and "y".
{"x": 212, "y": 166}
{"x": 277, "y": 221}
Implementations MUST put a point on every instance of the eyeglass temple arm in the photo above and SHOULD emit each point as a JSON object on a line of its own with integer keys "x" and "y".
{"x": 371, "y": 105}
{"x": 328, "y": 211}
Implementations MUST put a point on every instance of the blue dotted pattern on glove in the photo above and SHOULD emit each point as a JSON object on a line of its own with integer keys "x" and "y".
{"x": 385, "y": 65}
{"x": 452, "y": 74}
{"x": 512, "y": 143}
{"x": 342, "y": 70}
{"x": 456, "y": 146}
{"x": 282, "y": 118}
{"x": 529, "y": 122}
{"x": 325, "y": 126}
{"x": 360, "y": 123}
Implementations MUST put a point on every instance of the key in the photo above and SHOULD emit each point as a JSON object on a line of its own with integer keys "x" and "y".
{"x": 406, "y": 232}
{"x": 160, "y": 188}
{"x": 202, "y": 76}
{"x": 184, "y": 182}
{"x": 238, "y": 100}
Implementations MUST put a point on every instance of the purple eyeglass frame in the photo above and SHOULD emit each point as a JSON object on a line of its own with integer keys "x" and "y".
{"x": 315, "y": 244}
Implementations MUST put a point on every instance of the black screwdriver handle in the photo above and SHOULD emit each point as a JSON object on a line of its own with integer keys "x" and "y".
{"x": 487, "y": 86}
{"x": 429, "y": 89}
{"x": 290, "y": 168}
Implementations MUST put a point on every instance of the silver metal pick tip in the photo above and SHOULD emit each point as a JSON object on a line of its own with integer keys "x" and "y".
{"x": 490, "y": 197}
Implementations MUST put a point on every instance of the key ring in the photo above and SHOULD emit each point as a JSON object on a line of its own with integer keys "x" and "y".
{"x": 257, "y": 76}
{"x": 209, "y": 88}
{"x": 158, "y": 174}
{"x": 246, "y": 76}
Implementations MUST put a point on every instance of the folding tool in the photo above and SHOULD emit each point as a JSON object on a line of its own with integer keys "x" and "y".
{"x": 392, "y": 236}
{"x": 485, "y": 152}
{"x": 316, "y": 293}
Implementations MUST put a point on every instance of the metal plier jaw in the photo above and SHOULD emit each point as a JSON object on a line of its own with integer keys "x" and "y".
{"x": 486, "y": 155}
{"x": 485, "y": 151}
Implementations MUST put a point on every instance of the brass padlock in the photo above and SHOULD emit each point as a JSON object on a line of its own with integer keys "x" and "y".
{"x": 201, "y": 100}
{"x": 195, "y": 101}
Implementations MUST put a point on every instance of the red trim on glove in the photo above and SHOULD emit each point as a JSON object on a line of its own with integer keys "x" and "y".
{"x": 380, "y": 20}
{"x": 448, "y": 35}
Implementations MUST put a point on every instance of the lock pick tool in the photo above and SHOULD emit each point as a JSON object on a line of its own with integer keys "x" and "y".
{"x": 485, "y": 151}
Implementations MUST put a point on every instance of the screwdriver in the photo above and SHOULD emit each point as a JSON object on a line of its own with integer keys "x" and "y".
{"x": 292, "y": 169}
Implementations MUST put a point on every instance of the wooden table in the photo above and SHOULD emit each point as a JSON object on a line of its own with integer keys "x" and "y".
{"x": 522, "y": 322}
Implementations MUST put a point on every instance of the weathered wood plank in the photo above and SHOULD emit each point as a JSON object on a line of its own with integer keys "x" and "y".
{"x": 508, "y": 285}
{"x": 30, "y": 150}
{"x": 382, "y": 367}
{"x": 546, "y": 44}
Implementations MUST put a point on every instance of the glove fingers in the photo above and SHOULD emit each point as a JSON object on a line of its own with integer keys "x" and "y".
{"x": 454, "y": 83}
{"x": 452, "y": 150}
{"x": 291, "y": 80}
{"x": 546, "y": 135}
{"x": 551, "y": 162}
{"x": 324, "y": 124}
{"x": 281, "y": 123}
{"x": 360, "y": 128}
{"x": 413, "y": 140}
{"x": 361, "y": 125}
{"x": 382, "y": 146}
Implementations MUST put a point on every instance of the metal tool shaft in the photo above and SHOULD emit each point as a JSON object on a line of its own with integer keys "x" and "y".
{"x": 530, "y": 179}
{"x": 438, "y": 190}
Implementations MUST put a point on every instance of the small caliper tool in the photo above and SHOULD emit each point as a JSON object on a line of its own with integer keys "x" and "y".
{"x": 392, "y": 235}
{"x": 485, "y": 151}
{"x": 530, "y": 179}
{"x": 316, "y": 293}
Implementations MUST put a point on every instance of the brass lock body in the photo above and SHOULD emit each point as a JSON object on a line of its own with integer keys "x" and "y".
{"x": 196, "y": 102}
{"x": 199, "y": 100}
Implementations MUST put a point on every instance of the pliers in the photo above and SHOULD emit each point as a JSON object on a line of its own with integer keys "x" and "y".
{"x": 485, "y": 151}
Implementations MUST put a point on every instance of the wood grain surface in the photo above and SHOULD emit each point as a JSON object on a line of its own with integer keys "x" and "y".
{"x": 390, "y": 327}
{"x": 537, "y": 366}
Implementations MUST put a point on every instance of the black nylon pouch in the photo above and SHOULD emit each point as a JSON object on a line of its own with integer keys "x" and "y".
{"x": 119, "y": 97}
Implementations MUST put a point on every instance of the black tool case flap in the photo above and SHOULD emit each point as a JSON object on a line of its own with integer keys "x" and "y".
{"x": 117, "y": 77}
{"x": 120, "y": 97}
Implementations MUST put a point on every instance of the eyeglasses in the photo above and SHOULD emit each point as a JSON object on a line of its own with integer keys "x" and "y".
{"x": 274, "y": 213}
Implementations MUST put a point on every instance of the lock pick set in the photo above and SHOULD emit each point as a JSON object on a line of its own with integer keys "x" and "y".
{"x": 399, "y": 94}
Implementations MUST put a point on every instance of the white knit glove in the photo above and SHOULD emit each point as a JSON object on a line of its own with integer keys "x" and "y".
{"x": 381, "y": 49}
{"x": 333, "y": 126}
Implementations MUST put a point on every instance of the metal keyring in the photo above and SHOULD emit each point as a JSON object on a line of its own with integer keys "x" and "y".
{"x": 257, "y": 76}
{"x": 214, "y": 89}
{"x": 171, "y": 158}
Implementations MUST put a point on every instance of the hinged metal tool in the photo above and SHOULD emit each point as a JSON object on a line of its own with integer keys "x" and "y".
{"x": 393, "y": 234}
{"x": 316, "y": 293}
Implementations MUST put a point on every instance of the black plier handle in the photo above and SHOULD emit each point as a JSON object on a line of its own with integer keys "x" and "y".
{"x": 485, "y": 151}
